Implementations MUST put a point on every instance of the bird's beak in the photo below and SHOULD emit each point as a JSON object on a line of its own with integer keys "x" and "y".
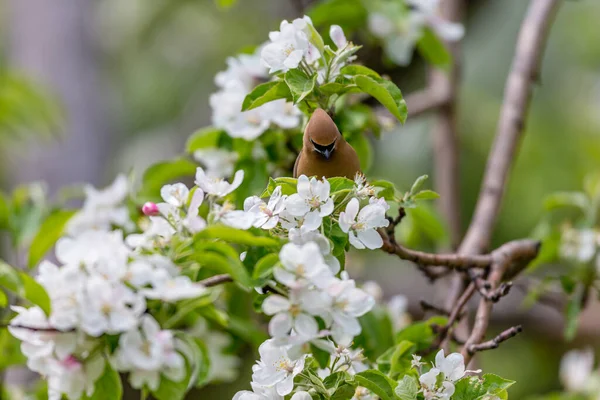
{"x": 327, "y": 154}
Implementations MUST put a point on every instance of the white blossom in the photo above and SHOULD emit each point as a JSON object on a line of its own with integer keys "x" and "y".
{"x": 74, "y": 377}
{"x": 362, "y": 226}
{"x": 348, "y": 304}
{"x": 172, "y": 289}
{"x": 576, "y": 370}
{"x": 451, "y": 368}
{"x": 218, "y": 163}
{"x": 337, "y": 36}
{"x": 312, "y": 198}
{"x": 580, "y": 245}
{"x": 276, "y": 368}
{"x": 228, "y": 215}
{"x": 218, "y": 186}
{"x": 288, "y": 46}
{"x": 301, "y": 265}
{"x": 258, "y": 393}
{"x": 266, "y": 214}
{"x": 148, "y": 353}
{"x": 295, "y": 312}
{"x": 109, "y": 307}
{"x": 176, "y": 194}
{"x": 102, "y": 208}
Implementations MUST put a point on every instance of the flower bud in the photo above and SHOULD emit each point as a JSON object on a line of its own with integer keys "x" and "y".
{"x": 150, "y": 209}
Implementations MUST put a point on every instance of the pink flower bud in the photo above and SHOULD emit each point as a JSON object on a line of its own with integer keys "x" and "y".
{"x": 150, "y": 209}
{"x": 71, "y": 363}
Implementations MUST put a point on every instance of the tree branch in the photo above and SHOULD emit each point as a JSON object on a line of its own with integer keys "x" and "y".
{"x": 495, "y": 342}
{"x": 517, "y": 95}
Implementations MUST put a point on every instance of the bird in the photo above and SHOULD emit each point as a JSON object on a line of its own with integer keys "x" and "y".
{"x": 325, "y": 153}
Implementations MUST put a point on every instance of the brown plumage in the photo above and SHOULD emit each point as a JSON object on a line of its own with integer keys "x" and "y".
{"x": 325, "y": 152}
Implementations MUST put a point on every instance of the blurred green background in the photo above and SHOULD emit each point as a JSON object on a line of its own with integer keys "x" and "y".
{"x": 92, "y": 88}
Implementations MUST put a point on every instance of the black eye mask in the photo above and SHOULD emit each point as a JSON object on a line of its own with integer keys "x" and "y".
{"x": 324, "y": 150}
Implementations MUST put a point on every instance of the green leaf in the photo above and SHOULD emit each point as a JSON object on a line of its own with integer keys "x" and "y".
{"x": 222, "y": 264}
{"x": 233, "y": 235}
{"x": 355, "y": 69}
{"x": 407, "y": 388}
{"x": 317, "y": 382}
{"x": 426, "y": 195}
{"x": 349, "y": 14}
{"x": 418, "y": 184}
{"x": 226, "y": 3}
{"x": 265, "y": 93}
{"x": 468, "y": 388}
{"x": 162, "y": 173}
{"x": 300, "y": 84}
{"x": 169, "y": 390}
{"x": 420, "y": 333}
{"x": 108, "y": 386}
{"x": 566, "y": 199}
{"x": 203, "y": 138}
{"x": 50, "y": 231}
{"x": 10, "y": 348}
{"x": 3, "y": 299}
{"x": 344, "y": 392}
{"x": 10, "y": 279}
{"x": 34, "y": 292}
{"x": 387, "y": 190}
{"x": 264, "y": 267}
{"x": 320, "y": 355}
{"x": 377, "y": 383}
{"x": 202, "y": 363}
{"x": 433, "y": 49}
{"x": 185, "y": 308}
{"x": 288, "y": 186}
{"x": 386, "y": 93}
{"x": 495, "y": 384}
{"x": 339, "y": 183}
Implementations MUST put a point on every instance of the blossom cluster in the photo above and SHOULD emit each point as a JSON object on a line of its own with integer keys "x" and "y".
{"x": 311, "y": 290}
{"x": 295, "y": 45}
{"x": 243, "y": 73}
{"x": 438, "y": 382}
{"x": 105, "y": 284}
{"x": 301, "y": 214}
{"x": 400, "y": 26}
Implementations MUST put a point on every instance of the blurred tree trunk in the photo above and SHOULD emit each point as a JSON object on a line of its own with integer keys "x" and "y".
{"x": 52, "y": 42}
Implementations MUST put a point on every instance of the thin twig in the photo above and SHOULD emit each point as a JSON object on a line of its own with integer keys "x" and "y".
{"x": 495, "y": 342}
{"x": 216, "y": 280}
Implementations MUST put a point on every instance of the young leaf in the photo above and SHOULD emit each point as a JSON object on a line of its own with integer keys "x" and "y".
{"x": 340, "y": 183}
{"x": 203, "y": 138}
{"x": 300, "y": 84}
{"x": 433, "y": 50}
{"x": 50, "y": 231}
{"x": 573, "y": 311}
{"x": 266, "y": 92}
{"x": 233, "y": 235}
{"x": 418, "y": 184}
{"x": 377, "y": 383}
{"x": 9, "y": 278}
{"x": 288, "y": 186}
{"x": 426, "y": 195}
{"x": 355, "y": 69}
{"x": 495, "y": 384}
{"x": 407, "y": 388}
{"x": 4, "y": 210}
{"x": 386, "y": 93}
{"x": 468, "y": 388}
{"x": 222, "y": 264}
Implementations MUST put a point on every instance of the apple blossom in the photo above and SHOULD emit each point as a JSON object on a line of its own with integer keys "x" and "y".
{"x": 217, "y": 186}
{"x": 276, "y": 368}
{"x": 149, "y": 208}
{"x": 266, "y": 214}
{"x": 312, "y": 199}
{"x": 362, "y": 226}
{"x": 288, "y": 47}
{"x": 301, "y": 265}
{"x": 218, "y": 163}
{"x": 576, "y": 369}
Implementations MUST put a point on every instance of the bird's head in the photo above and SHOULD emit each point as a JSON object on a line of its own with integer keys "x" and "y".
{"x": 321, "y": 134}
